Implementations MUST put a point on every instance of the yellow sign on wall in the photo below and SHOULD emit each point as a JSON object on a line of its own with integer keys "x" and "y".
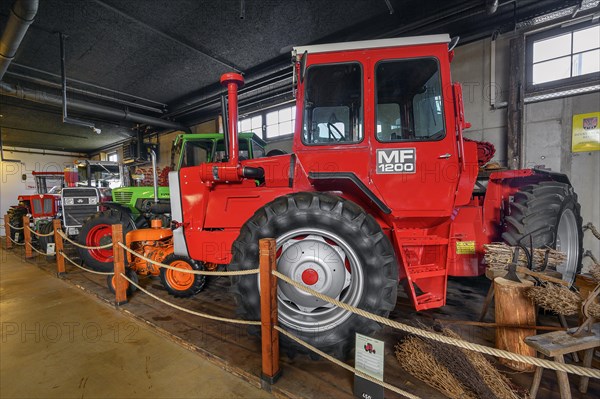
{"x": 586, "y": 132}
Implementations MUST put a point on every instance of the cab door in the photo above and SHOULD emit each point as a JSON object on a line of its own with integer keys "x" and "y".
{"x": 414, "y": 159}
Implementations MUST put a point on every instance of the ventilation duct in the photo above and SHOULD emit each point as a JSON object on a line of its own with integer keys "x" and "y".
{"x": 21, "y": 16}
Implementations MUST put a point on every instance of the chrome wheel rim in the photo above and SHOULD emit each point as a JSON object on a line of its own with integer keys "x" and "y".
{"x": 567, "y": 241}
{"x": 324, "y": 262}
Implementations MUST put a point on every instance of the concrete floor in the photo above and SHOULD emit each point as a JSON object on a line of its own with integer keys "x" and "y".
{"x": 59, "y": 342}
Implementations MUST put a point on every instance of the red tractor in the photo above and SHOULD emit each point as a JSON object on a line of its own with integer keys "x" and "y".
{"x": 43, "y": 206}
{"x": 379, "y": 189}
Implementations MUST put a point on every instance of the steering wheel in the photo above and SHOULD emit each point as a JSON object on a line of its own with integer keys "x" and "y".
{"x": 332, "y": 128}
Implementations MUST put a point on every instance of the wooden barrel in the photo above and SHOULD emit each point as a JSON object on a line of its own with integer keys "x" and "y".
{"x": 514, "y": 308}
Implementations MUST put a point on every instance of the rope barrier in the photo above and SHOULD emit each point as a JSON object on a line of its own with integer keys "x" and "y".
{"x": 15, "y": 227}
{"x": 84, "y": 268}
{"x": 346, "y": 366}
{"x": 39, "y": 234}
{"x": 15, "y": 242}
{"x": 37, "y": 250}
{"x": 207, "y": 316}
{"x": 201, "y": 272}
{"x": 66, "y": 238}
{"x": 593, "y": 229}
{"x": 582, "y": 371}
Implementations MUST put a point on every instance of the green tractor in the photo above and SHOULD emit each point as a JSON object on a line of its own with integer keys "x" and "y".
{"x": 134, "y": 207}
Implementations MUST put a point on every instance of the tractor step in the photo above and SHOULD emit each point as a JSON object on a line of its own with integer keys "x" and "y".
{"x": 424, "y": 260}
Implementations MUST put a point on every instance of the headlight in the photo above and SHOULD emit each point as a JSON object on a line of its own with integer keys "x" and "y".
{"x": 69, "y": 201}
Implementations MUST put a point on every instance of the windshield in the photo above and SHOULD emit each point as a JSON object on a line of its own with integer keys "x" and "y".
{"x": 333, "y": 104}
{"x": 196, "y": 152}
{"x": 243, "y": 150}
{"x": 100, "y": 176}
{"x": 409, "y": 100}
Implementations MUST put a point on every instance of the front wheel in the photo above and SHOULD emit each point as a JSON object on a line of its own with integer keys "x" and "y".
{"x": 547, "y": 215}
{"x": 182, "y": 284}
{"x": 328, "y": 244}
{"x": 130, "y": 289}
{"x": 45, "y": 228}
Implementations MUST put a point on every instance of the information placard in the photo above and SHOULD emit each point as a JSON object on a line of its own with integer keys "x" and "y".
{"x": 369, "y": 360}
{"x": 586, "y": 132}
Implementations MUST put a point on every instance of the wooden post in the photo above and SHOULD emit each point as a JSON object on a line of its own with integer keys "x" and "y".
{"x": 268, "y": 314}
{"x": 119, "y": 266}
{"x": 58, "y": 249}
{"x": 7, "y": 231}
{"x": 514, "y": 308}
{"x": 27, "y": 235}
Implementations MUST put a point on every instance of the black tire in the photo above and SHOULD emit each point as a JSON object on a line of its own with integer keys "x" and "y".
{"x": 535, "y": 216}
{"x": 110, "y": 283}
{"x": 45, "y": 228}
{"x": 360, "y": 239}
{"x": 15, "y": 218}
{"x": 182, "y": 285}
{"x": 96, "y": 231}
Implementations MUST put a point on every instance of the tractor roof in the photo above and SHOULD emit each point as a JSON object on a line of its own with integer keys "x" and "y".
{"x": 368, "y": 44}
{"x": 218, "y": 136}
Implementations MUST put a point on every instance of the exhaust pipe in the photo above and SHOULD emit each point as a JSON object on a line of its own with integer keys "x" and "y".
{"x": 154, "y": 176}
{"x": 21, "y": 16}
{"x": 233, "y": 81}
{"x": 231, "y": 170}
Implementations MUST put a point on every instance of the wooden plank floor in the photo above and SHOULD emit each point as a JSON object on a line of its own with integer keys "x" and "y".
{"x": 233, "y": 349}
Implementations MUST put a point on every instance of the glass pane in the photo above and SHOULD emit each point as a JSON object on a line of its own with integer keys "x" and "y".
{"x": 286, "y": 127}
{"x": 333, "y": 104}
{"x": 409, "y": 100}
{"x": 272, "y": 130}
{"x": 586, "y": 39}
{"x": 588, "y": 62}
{"x": 245, "y": 125}
{"x": 285, "y": 114}
{"x": 552, "y": 70}
{"x": 272, "y": 118}
{"x": 552, "y": 48}
{"x": 256, "y": 123}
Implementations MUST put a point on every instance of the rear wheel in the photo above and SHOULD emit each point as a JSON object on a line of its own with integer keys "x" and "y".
{"x": 130, "y": 289}
{"x": 97, "y": 231}
{"x": 547, "y": 214}
{"x": 181, "y": 284}
{"x": 330, "y": 245}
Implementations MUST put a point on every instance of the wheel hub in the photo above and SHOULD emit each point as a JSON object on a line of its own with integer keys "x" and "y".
{"x": 318, "y": 265}
{"x": 567, "y": 241}
{"x": 310, "y": 277}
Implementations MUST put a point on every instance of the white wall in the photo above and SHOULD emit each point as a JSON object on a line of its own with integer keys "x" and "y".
{"x": 12, "y": 185}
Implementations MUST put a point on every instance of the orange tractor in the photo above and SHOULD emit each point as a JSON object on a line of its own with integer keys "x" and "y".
{"x": 156, "y": 243}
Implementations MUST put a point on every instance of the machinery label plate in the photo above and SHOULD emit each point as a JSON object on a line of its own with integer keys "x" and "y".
{"x": 396, "y": 160}
{"x": 465, "y": 247}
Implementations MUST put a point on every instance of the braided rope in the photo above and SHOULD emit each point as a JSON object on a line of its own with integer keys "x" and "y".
{"x": 593, "y": 229}
{"x": 346, "y": 366}
{"x": 39, "y": 234}
{"x": 582, "y": 371}
{"x": 15, "y": 242}
{"x": 37, "y": 250}
{"x": 201, "y": 272}
{"x": 84, "y": 268}
{"x": 207, "y": 316}
{"x": 66, "y": 238}
{"x": 15, "y": 227}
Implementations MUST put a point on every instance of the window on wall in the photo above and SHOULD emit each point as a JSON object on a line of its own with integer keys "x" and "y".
{"x": 564, "y": 56}
{"x": 113, "y": 157}
{"x": 270, "y": 124}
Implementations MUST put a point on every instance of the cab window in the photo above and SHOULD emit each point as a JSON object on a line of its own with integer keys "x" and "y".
{"x": 409, "y": 100}
{"x": 333, "y": 104}
{"x": 196, "y": 152}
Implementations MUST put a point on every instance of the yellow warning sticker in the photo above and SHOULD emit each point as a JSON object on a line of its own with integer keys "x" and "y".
{"x": 465, "y": 247}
